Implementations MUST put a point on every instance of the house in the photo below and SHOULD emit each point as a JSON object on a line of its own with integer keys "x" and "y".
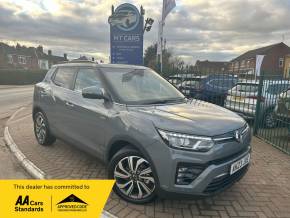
{"x": 273, "y": 62}
{"x": 210, "y": 67}
{"x": 45, "y": 61}
{"x": 27, "y": 57}
{"x": 287, "y": 67}
{"x": 17, "y": 57}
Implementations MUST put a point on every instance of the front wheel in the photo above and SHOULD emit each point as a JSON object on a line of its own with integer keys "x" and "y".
{"x": 135, "y": 181}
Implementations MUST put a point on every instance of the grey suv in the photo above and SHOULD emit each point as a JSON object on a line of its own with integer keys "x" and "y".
{"x": 153, "y": 139}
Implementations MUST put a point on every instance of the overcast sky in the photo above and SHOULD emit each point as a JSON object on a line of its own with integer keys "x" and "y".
{"x": 196, "y": 29}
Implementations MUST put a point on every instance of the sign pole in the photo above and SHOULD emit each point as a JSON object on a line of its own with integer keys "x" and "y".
{"x": 161, "y": 55}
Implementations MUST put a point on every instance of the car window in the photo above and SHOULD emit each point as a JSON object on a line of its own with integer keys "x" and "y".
{"x": 285, "y": 94}
{"x": 87, "y": 77}
{"x": 246, "y": 87}
{"x": 192, "y": 84}
{"x": 64, "y": 77}
{"x": 222, "y": 82}
{"x": 275, "y": 89}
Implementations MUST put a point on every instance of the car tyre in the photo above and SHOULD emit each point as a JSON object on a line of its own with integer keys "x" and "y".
{"x": 41, "y": 129}
{"x": 134, "y": 177}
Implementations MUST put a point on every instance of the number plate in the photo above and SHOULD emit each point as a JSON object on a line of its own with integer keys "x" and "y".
{"x": 240, "y": 164}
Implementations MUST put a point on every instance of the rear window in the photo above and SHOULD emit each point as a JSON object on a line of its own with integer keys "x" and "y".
{"x": 64, "y": 77}
{"x": 276, "y": 89}
{"x": 246, "y": 87}
{"x": 192, "y": 84}
{"x": 222, "y": 83}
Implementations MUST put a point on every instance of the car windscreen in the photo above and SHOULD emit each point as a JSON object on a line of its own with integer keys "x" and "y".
{"x": 246, "y": 87}
{"x": 276, "y": 89}
{"x": 140, "y": 86}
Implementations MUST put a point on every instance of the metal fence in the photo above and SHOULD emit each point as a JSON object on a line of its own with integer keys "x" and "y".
{"x": 264, "y": 101}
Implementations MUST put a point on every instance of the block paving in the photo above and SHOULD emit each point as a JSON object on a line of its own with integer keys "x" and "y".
{"x": 263, "y": 192}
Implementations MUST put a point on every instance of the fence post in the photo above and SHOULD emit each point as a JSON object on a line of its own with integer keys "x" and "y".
{"x": 258, "y": 105}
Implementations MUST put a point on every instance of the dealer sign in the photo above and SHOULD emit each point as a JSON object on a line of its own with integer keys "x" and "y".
{"x": 126, "y": 28}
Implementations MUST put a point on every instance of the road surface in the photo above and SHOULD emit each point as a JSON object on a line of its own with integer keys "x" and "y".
{"x": 11, "y": 98}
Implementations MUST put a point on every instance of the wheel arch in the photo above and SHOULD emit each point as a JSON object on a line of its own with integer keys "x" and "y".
{"x": 119, "y": 142}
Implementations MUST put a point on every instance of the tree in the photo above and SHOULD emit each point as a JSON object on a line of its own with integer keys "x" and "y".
{"x": 171, "y": 65}
{"x": 150, "y": 57}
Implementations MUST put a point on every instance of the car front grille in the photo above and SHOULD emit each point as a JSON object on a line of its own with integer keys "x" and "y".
{"x": 230, "y": 136}
{"x": 225, "y": 181}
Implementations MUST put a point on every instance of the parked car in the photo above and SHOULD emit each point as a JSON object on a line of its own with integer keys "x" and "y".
{"x": 153, "y": 140}
{"x": 192, "y": 86}
{"x": 215, "y": 88}
{"x": 243, "y": 99}
{"x": 175, "y": 80}
{"x": 282, "y": 109}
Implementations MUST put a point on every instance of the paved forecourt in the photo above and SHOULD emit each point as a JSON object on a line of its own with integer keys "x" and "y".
{"x": 263, "y": 192}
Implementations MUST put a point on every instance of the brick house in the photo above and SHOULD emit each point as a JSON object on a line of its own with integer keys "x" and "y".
{"x": 287, "y": 67}
{"x": 273, "y": 63}
{"x": 209, "y": 67}
{"x": 27, "y": 57}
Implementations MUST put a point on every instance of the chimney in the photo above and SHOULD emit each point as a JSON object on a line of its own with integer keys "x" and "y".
{"x": 65, "y": 56}
{"x": 93, "y": 59}
{"x": 49, "y": 52}
{"x": 40, "y": 49}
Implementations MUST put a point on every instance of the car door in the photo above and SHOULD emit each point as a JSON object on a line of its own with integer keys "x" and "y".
{"x": 61, "y": 91}
{"x": 89, "y": 116}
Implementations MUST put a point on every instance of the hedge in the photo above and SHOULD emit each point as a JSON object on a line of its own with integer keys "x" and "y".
{"x": 21, "y": 77}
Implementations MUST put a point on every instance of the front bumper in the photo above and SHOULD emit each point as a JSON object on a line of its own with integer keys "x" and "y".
{"x": 214, "y": 178}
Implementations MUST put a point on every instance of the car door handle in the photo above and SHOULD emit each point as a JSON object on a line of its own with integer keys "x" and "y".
{"x": 69, "y": 104}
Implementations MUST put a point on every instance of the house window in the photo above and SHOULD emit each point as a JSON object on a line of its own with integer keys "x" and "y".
{"x": 237, "y": 65}
{"x": 243, "y": 63}
{"x": 281, "y": 62}
{"x": 21, "y": 59}
{"x": 10, "y": 59}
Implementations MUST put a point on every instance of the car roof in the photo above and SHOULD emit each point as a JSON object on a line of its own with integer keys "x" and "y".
{"x": 95, "y": 65}
{"x": 268, "y": 82}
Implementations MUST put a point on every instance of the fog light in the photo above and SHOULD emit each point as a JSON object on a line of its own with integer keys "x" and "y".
{"x": 187, "y": 173}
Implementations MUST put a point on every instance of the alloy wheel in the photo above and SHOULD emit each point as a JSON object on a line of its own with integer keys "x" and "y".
{"x": 40, "y": 128}
{"x": 134, "y": 177}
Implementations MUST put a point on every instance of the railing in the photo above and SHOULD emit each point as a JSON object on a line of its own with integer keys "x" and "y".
{"x": 264, "y": 101}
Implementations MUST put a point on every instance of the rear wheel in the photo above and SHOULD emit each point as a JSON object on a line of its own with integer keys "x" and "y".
{"x": 269, "y": 119}
{"x": 41, "y": 130}
{"x": 135, "y": 181}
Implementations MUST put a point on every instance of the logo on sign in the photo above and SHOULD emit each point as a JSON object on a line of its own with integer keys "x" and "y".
{"x": 72, "y": 203}
{"x": 126, "y": 17}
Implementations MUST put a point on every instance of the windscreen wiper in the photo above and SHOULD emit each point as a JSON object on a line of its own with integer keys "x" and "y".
{"x": 164, "y": 101}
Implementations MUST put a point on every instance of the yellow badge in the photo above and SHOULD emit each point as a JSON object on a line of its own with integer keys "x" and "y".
{"x": 53, "y": 198}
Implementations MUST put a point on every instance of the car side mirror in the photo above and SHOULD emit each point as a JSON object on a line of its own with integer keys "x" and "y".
{"x": 94, "y": 92}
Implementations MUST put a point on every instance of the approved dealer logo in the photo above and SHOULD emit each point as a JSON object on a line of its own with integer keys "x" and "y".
{"x": 72, "y": 203}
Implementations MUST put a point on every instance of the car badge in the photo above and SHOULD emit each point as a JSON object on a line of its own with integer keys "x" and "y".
{"x": 238, "y": 136}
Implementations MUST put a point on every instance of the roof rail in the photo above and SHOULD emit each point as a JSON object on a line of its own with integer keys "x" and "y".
{"x": 78, "y": 61}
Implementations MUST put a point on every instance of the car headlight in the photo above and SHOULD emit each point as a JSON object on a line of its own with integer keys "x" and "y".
{"x": 187, "y": 142}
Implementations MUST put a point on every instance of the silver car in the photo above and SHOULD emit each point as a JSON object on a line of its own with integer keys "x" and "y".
{"x": 243, "y": 99}
{"x": 153, "y": 140}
